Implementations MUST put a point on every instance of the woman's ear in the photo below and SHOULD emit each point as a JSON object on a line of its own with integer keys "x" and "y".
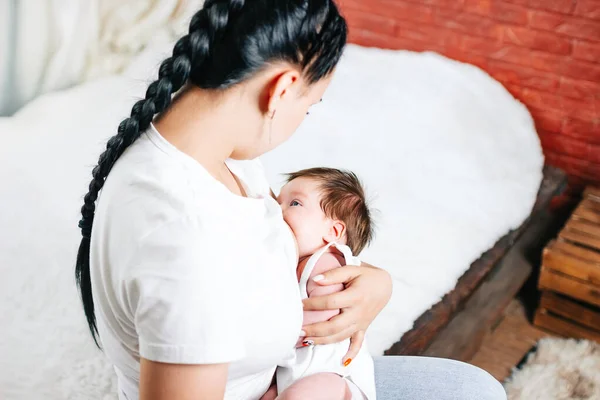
{"x": 337, "y": 230}
{"x": 280, "y": 87}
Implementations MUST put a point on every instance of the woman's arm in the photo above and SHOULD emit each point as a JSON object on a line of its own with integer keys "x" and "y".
{"x": 160, "y": 381}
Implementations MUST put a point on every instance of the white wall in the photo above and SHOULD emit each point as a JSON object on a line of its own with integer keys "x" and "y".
{"x": 7, "y": 16}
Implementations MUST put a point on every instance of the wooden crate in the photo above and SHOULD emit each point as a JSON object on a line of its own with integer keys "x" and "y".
{"x": 570, "y": 275}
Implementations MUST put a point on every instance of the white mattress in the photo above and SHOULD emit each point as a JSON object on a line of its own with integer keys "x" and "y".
{"x": 450, "y": 159}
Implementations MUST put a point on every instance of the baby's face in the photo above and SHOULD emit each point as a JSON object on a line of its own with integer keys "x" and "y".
{"x": 300, "y": 201}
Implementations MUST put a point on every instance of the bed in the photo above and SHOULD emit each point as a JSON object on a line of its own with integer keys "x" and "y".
{"x": 433, "y": 140}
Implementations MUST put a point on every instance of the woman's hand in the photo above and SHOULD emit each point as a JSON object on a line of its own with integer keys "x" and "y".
{"x": 367, "y": 291}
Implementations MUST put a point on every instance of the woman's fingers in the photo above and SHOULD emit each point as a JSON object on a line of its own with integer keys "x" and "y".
{"x": 336, "y": 337}
{"x": 356, "y": 342}
{"x": 338, "y": 275}
{"x": 334, "y": 326}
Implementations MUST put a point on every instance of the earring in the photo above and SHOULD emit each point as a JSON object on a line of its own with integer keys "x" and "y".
{"x": 271, "y": 126}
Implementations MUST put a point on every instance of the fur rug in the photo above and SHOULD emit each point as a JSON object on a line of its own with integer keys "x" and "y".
{"x": 559, "y": 369}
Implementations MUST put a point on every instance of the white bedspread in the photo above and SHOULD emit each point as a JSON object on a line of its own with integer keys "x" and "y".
{"x": 450, "y": 159}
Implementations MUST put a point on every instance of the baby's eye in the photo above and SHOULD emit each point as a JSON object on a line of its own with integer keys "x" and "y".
{"x": 295, "y": 203}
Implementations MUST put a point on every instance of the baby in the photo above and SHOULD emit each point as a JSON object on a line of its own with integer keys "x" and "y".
{"x": 327, "y": 212}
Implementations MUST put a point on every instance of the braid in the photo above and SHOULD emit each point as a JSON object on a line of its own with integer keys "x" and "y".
{"x": 189, "y": 53}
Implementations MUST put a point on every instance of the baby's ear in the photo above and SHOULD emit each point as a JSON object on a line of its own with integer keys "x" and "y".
{"x": 337, "y": 230}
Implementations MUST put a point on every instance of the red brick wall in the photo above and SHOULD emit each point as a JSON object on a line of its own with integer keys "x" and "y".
{"x": 546, "y": 53}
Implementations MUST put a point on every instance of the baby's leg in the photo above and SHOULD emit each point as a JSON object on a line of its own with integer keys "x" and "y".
{"x": 322, "y": 386}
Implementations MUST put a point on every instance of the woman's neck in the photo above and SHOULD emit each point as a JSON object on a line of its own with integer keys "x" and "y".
{"x": 195, "y": 124}
{"x": 200, "y": 125}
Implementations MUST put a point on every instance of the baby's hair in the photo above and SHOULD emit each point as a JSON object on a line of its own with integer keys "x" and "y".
{"x": 342, "y": 198}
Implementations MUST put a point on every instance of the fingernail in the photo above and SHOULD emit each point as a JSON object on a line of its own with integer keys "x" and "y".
{"x": 347, "y": 362}
{"x": 302, "y": 333}
{"x": 318, "y": 278}
{"x": 308, "y": 343}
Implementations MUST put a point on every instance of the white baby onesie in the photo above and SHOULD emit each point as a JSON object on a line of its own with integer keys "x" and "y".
{"x": 328, "y": 358}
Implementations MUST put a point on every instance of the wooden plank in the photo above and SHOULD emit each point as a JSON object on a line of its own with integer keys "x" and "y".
{"x": 563, "y": 306}
{"x": 563, "y": 327}
{"x": 430, "y": 323}
{"x": 564, "y": 284}
{"x": 592, "y": 192}
{"x": 584, "y": 227}
{"x": 591, "y": 202}
{"x": 577, "y": 251}
{"x": 503, "y": 348}
{"x": 573, "y": 265}
{"x": 588, "y": 210}
{"x": 463, "y": 336}
{"x": 580, "y": 238}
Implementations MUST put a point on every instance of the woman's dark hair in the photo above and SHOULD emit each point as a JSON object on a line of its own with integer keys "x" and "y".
{"x": 228, "y": 41}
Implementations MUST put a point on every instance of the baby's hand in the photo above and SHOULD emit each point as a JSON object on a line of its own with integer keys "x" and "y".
{"x": 327, "y": 262}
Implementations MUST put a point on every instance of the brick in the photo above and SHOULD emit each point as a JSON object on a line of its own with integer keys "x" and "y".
{"x": 570, "y": 165}
{"x": 437, "y": 4}
{"x": 479, "y": 45}
{"x": 499, "y": 11}
{"x": 580, "y": 89}
{"x": 516, "y": 90}
{"x": 594, "y": 172}
{"x": 370, "y": 22}
{"x": 428, "y": 34}
{"x": 564, "y": 202}
{"x": 546, "y": 120}
{"x": 573, "y": 166}
{"x": 496, "y": 50}
{"x": 374, "y": 39}
{"x": 552, "y": 102}
{"x": 536, "y": 40}
{"x": 588, "y": 9}
{"x": 575, "y": 27}
{"x": 561, "y": 6}
{"x": 469, "y": 58}
{"x": 528, "y": 77}
{"x": 576, "y": 185}
{"x": 587, "y": 51}
{"x": 565, "y": 66}
{"x": 553, "y": 63}
{"x": 545, "y": 20}
{"x": 467, "y": 23}
{"x": 564, "y": 145}
{"x": 588, "y": 130}
{"x": 396, "y": 9}
{"x": 594, "y": 154}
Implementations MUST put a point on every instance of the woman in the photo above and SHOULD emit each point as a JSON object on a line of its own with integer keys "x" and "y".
{"x": 186, "y": 267}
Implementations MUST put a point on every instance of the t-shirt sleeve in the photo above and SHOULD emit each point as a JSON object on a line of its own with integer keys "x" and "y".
{"x": 183, "y": 299}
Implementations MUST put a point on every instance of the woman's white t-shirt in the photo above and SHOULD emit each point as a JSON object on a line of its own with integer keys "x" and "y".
{"x": 184, "y": 271}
